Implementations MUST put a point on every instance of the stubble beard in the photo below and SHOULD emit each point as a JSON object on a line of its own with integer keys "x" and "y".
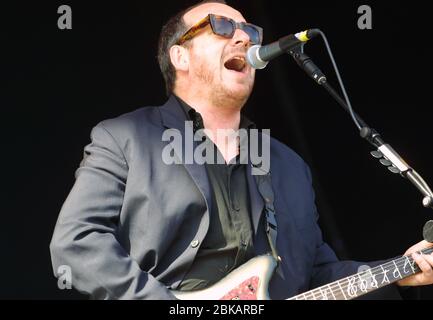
{"x": 218, "y": 93}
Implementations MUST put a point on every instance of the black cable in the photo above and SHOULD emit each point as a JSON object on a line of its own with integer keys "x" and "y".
{"x": 343, "y": 89}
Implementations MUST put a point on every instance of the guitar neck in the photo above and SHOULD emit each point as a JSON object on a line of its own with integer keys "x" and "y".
{"x": 365, "y": 281}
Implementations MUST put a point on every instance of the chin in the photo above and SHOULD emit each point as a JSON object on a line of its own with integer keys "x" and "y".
{"x": 238, "y": 97}
{"x": 241, "y": 91}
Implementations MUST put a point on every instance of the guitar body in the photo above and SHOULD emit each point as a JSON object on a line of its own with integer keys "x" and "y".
{"x": 248, "y": 282}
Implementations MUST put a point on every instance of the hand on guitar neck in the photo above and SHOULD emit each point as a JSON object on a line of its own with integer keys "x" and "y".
{"x": 424, "y": 262}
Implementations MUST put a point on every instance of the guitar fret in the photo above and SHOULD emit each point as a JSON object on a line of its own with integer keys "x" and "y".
{"x": 324, "y": 293}
{"x": 363, "y": 286}
{"x": 314, "y": 296}
{"x": 338, "y": 282}
{"x": 351, "y": 287}
{"x": 385, "y": 276}
{"x": 309, "y": 296}
{"x": 410, "y": 264}
{"x": 396, "y": 269}
{"x": 373, "y": 281}
{"x": 332, "y": 291}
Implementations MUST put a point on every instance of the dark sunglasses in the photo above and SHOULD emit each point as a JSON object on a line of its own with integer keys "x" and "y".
{"x": 224, "y": 27}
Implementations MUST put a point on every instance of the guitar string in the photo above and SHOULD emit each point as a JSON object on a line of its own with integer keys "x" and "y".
{"x": 345, "y": 283}
{"x": 400, "y": 262}
{"x": 342, "y": 285}
{"x": 337, "y": 288}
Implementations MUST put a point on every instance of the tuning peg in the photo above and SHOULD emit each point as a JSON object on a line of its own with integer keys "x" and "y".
{"x": 427, "y": 202}
{"x": 377, "y": 154}
{"x": 393, "y": 169}
{"x": 386, "y": 162}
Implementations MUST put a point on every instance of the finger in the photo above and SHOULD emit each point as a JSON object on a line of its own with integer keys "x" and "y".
{"x": 418, "y": 247}
{"x": 425, "y": 263}
{"x": 427, "y": 244}
{"x": 424, "y": 244}
{"x": 429, "y": 259}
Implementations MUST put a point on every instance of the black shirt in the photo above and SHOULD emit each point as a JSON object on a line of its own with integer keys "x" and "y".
{"x": 228, "y": 243}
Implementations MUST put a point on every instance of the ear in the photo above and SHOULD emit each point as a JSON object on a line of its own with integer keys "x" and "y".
{"x": 179, "y": 57}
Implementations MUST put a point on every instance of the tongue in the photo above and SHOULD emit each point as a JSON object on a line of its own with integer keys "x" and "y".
{"x": 235, "y": 64}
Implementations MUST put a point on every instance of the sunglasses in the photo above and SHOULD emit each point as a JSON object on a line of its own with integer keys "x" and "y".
{"x": 224, "y": 27}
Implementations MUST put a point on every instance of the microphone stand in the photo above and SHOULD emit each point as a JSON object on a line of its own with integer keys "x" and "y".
{"x": 384, "y": 152}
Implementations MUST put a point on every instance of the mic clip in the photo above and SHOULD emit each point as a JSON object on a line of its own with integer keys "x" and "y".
{"x": 307, "y": 64}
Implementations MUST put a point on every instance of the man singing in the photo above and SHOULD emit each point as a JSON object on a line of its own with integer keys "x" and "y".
{"x": 137, "y": 227}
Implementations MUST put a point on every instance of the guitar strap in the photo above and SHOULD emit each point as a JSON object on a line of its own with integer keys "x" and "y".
{"x": 264, "y": 185}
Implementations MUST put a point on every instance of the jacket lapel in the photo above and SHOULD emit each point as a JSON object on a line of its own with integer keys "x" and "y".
{"x": 173, "y": 117}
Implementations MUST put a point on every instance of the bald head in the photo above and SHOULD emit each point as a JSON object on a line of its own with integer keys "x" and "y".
{"x": 201, "y": 11}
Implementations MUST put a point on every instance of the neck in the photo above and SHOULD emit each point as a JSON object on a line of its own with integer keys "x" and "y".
{"x": 222, "y": 116}
{"x": 216, "y": 119}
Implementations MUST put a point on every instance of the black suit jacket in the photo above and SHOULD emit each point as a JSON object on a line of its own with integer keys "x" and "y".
{"x": 132, "y": 225}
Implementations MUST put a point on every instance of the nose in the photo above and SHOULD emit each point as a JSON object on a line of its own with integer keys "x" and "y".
{"x": 241, "y": 38}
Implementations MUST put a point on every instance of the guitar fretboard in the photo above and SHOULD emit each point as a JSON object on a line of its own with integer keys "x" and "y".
{"x": 365, "y": 281}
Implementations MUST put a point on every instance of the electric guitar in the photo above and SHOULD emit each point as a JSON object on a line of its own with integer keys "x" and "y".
{"x": 250, "y": 282}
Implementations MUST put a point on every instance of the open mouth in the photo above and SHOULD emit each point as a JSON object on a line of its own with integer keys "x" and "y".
{"x": 237, "y": 64}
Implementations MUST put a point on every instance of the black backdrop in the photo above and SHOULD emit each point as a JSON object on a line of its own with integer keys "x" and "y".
{"x": 60, "y": 83}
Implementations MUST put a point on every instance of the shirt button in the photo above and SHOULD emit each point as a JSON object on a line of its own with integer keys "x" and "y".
{"x": 195, "y": 243}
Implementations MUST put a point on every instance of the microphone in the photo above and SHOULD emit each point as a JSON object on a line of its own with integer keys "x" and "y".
{"x": 259, "y": 56}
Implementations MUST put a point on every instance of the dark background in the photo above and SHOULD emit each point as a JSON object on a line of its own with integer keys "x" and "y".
{"x": 58, "y": 84}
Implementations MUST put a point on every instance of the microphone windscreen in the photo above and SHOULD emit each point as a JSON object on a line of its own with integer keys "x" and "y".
{"x": 253, "y": 58}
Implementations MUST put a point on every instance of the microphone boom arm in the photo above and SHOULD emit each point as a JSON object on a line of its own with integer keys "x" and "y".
{"x": 384, "y": 153}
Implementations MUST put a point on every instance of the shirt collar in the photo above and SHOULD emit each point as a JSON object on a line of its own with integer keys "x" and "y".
{"x": 194, "y": 116}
